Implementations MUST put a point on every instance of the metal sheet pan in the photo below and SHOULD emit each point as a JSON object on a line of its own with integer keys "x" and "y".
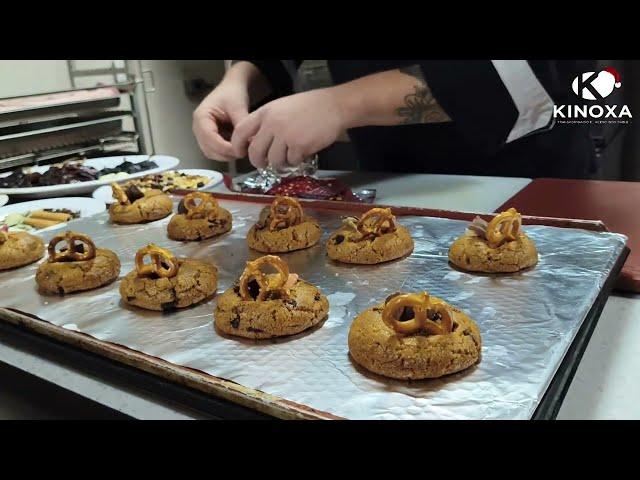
{"x": 30, "y": 141}
{"x": 527, "y": 320}
{"x": 30, "y": 113}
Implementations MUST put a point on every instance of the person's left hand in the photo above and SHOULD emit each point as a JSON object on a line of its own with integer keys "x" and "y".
{"x": 286, "y": 131}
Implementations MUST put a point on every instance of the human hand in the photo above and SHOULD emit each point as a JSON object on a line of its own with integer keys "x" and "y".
{"x": 215, "y": 118}
{"x": 286, "y": 131}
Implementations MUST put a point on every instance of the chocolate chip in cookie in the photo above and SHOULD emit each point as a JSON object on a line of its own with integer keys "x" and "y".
{"x": 168, "y": 306}
{"x": 254, "y": 288}
{"x": 134, "y": 193}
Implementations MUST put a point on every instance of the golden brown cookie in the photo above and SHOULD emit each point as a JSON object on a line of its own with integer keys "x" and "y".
{"x": 414, "y": 336}
{"x": 499, "y": 246}
{"x": 167, "y": 282}
{"x": 263, "y": 305}
{"x": 19, "y": 249}
{"x": 77, "y": 266}
{"x": 199, "y": 217}
{"x": 134, "y": 206}
{"x": 373, "y": 238}
{"x": 283, "y": 227}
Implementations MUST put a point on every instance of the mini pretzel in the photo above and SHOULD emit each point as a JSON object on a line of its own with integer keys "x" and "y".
{"x": 207, "y": 208}
{"x": 70, "y": 253}
{"x": 285, "y": 210}
{"x": 119, "y": 194}
{"x": 504, "y": 227}
{"x": 376, "y": 222}
{"x": 422, "y": 306}
{"x": 163, "y": 262}
{"x": 282, "y": 281}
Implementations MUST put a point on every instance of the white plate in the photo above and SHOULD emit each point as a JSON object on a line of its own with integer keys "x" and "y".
{"x": 3, "y": 199}
{"x": 104, "y": 193}
{"x": 86, "y": 206}
{"x": 164, "y": 162}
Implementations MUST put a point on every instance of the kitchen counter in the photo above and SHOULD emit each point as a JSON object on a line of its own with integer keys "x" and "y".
{"x": 604, "y": 386}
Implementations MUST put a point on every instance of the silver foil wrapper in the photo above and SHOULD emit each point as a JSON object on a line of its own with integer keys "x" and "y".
{"x": 527, "y": 320}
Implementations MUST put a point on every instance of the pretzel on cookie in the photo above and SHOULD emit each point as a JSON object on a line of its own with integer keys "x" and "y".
{"x": 282, "y": 280}
{"x": 422, "y": 307}
{"x": 376, "y": 222}
{"x": 71, "y": 252}
{"x": 504, "y": 227}
{"x": 200, "y": 205}
{"x": 119, "y": 194}
{"x": 285, "y": 211}
{"x": 163, "y": 262}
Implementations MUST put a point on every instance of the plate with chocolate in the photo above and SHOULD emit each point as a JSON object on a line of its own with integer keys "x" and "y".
{"x": 81, "y": 176}
{"x": 190, "y": 179}
{"x": 48, "y": 213}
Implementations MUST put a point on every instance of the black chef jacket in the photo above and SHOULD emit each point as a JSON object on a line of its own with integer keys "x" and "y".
{"x": 484, "y": 113}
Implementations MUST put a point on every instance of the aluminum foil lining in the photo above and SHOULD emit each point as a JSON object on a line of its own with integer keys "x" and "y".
{"x": 527, "y": 320}
{"x": 268, "y": 177}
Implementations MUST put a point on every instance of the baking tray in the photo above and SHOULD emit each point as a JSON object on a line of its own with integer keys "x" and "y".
{"x": 62, "y": 108}
{"x": 57, "y": 134}
{"x": 273, "y": 405}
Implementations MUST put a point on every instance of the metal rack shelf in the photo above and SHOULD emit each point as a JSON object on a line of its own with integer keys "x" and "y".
{"x": 36, "y": 134}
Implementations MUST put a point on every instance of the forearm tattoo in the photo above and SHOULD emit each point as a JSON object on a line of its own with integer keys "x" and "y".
{"x": 420, "y": 106}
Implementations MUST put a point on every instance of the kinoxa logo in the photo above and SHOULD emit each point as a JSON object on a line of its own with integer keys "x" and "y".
{"x": 596, "y": 87}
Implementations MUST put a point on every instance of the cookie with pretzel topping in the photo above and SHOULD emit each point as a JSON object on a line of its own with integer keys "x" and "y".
{"x": 266, "y": 305}
{"x": 75, "y": 264}
{"x": 373, "y": 238}
{"x": 199, "y": 217}
{"x": 283, "y": 227}
{"x": 498, "y": 246}
{"x": 414, "y": 336}
{"x": 162, "y": 282}
{"x": 19, "y": 248}
{"x": 135, "y": 206}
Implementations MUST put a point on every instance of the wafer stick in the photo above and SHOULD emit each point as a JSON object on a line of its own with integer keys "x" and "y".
{"x": 39, "y": 223}
{"x": 44, "y": 215}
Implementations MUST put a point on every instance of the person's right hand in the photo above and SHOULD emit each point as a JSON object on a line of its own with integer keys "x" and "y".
{"x": 215, "y": 118}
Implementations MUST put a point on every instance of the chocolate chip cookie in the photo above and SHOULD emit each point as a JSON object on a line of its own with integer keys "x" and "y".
{"x": 199, "y": 217}
{"x": 263, "y": 305}
{"x": 19, "y": 249}
{"x": 283, "y": 227}
{"x": 134, "y": 206}
{"x": 78, "y": 267}
{"x": 499, "y": 246}
{"x": 373, "y": 238}
{"x": 413, "y": 337}
{"x": 167, "y": 283}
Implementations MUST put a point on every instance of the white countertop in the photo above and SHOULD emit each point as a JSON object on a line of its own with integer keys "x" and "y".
{"x": 604, "y": 386}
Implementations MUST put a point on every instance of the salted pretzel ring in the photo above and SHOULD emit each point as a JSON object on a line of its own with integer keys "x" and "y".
{"x": 285, "y": 210}
{"x": 282, "y": 280}
{"x": 504, "y": 227}
{"x": 422, "y": 305}
{"x": 207, "y": 208}
{"x": 377, "y": 221}
{"x": 163, "y": 262}
{"x": 119, "y": 194}
{"x": 70, "y": 253}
